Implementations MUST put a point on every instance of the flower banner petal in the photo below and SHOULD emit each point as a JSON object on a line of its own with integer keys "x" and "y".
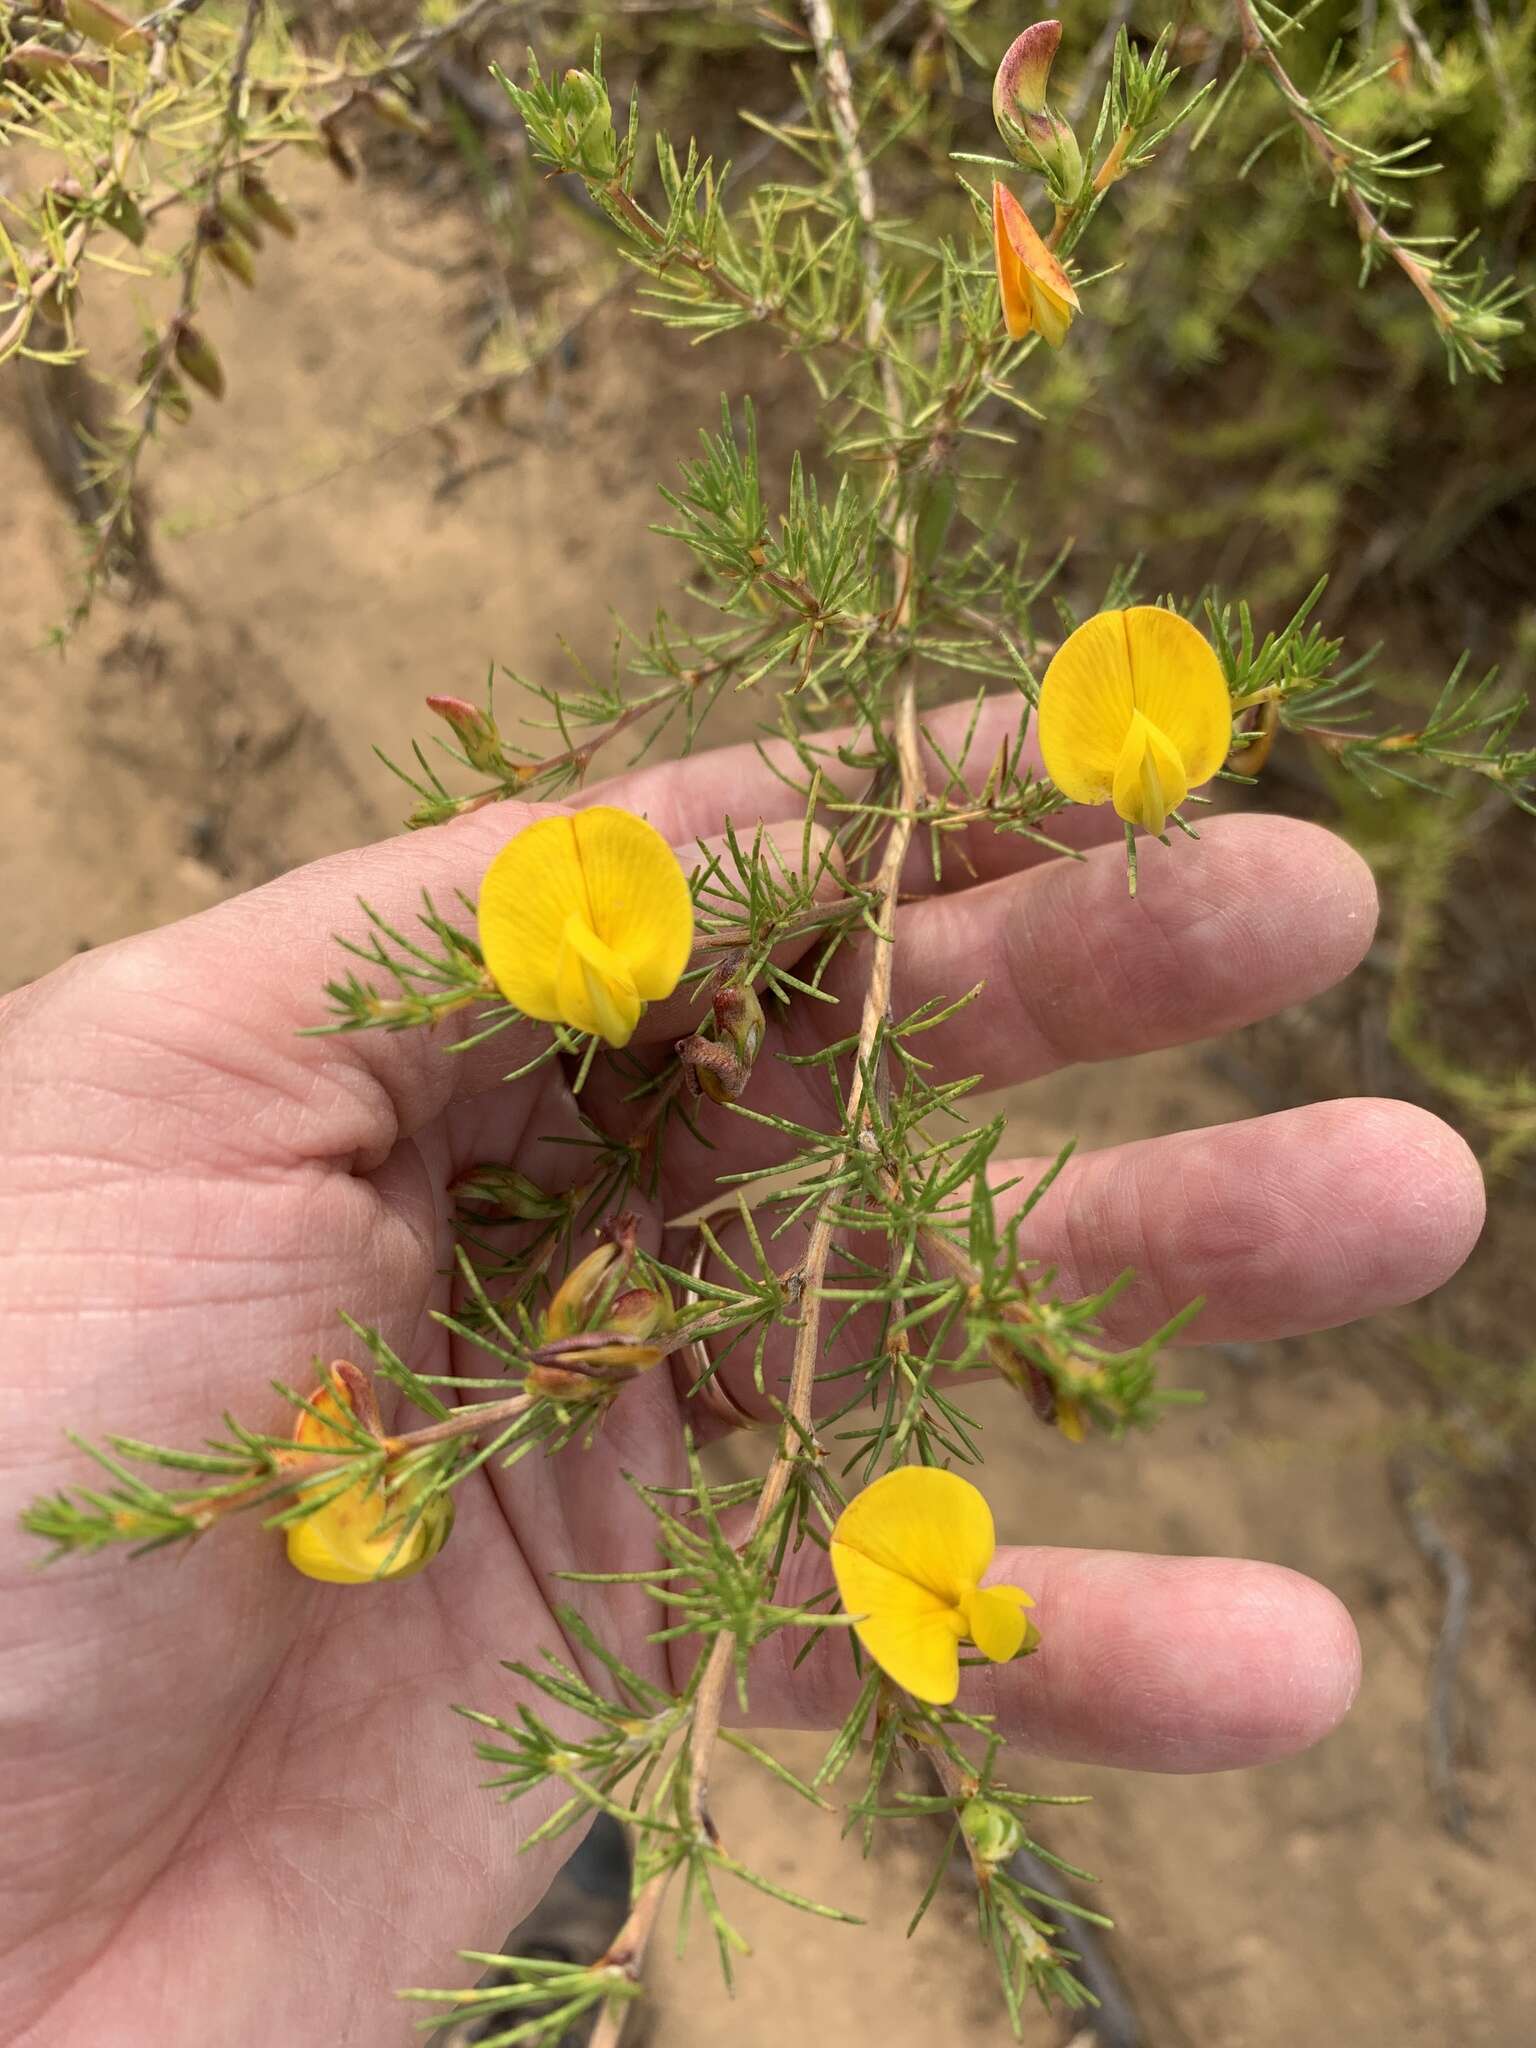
{"x": 1086, "y": 706}
{"x": 1178, "y": 682}
{"x": 913, "y": 1635}
{"x": 530, "y": 889}
{"x": 933, "y": 1527}
{"x": 640, "y": 901}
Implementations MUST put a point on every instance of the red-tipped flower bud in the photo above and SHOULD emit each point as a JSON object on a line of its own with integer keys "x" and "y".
{"x": 1025, "y": 72}
{"x": 1034, "y": 135}
{"x": 475, "y": 731}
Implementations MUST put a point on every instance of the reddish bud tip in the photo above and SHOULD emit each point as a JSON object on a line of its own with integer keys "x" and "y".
{"x": 1022, "y": 77}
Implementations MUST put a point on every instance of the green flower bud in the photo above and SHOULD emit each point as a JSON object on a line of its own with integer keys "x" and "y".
{"x": 641, "y": 1312}
{"x": 992, "y": 1831}
{"x": 240, "y": 217}
{"x": 599, "y": 1330}
{"x": 266, "y": 206}
{"x": 197, "y": 357}
{"x": 228, "y": 249}
{"x": 589, "y": 120}
{"x": 120, "y": 210}
{"x": 720, "y": 1067}
{"x": 474, "y": 729}
{"x": 1489, "y": 326}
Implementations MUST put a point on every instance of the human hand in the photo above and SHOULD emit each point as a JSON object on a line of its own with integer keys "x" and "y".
{"x": 236, "y": 1797}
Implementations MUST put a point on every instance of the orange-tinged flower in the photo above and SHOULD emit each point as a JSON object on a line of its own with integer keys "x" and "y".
{"x": 586, "y": 919}
{"x": 1037, "y": 293}
{"x": 363, "y": 1533}
{"x": 908, "y": 1554}
{"x": 1134, "y": 710}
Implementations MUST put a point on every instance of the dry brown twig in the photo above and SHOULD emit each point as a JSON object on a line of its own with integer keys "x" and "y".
{"x": 1258, "y": 49}
{"x": 1450, "y": 1567}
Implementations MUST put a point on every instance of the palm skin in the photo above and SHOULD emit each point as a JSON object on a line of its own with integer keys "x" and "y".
{"x": 231, "y": 1792}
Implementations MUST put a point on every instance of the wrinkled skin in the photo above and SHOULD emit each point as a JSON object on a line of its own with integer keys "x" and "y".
{"x": 234, "y": 1798}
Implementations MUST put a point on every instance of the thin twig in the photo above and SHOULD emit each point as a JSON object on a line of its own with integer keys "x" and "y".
{"x": 1435, "y": 1547}
{"x": 1408, "y": 22}
{"x": 832, "y": 60}
{"x": 297, "y": 1470}
{"x": 1498, "y": 69}
{"x": 1258, "y": 49}
{"x": 709, "y": 1697}
{"x": 626, "y": 1956}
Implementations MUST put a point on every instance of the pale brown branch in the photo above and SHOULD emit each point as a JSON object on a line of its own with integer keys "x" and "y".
{"x": 1258, "y": 49}
{"x": 626, "y": 1953}
{"x": 832, "y": 61}
{"x": 709, "y": 1697}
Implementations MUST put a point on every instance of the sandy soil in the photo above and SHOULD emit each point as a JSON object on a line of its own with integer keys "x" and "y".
{"x": 214, "y": 734}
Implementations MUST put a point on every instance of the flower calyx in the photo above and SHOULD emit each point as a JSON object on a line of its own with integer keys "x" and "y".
{"x": 601, "y": 1326}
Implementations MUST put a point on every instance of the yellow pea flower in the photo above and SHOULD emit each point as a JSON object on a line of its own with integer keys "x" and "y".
{"x": 1134, "y": 710}
{"x": 1037, "y": 293}
{"x": 585, "y": 919}
{"x": 357, "y": 1536}
{"x": 908, "y": 1554}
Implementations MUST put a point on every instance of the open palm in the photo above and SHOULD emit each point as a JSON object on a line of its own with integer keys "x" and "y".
{"x": 237, "y": 1799}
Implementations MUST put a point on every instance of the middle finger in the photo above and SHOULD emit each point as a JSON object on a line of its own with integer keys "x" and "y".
{"x": 1257, "y": 914}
